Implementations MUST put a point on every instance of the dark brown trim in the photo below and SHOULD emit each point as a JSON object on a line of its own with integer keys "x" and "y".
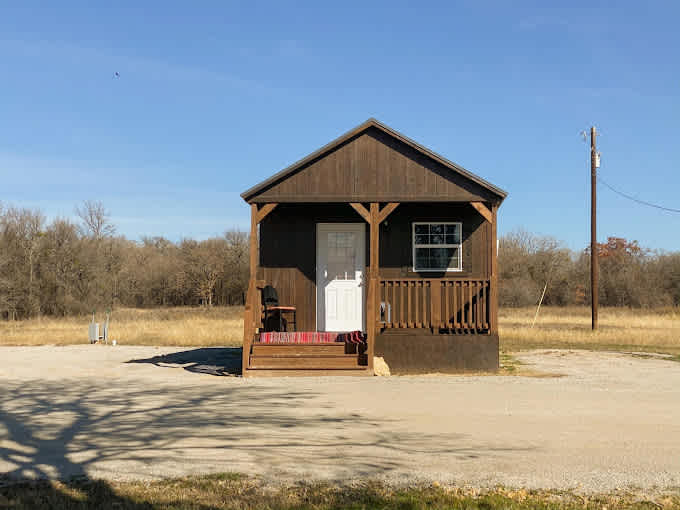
{"x": 266, "y": 209}
{"x": 386, "y": 211}
{"x": 335, "y": 199}
{"x": 483, "y": 210}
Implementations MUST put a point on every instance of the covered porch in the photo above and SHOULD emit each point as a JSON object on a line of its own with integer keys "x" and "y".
{"x": 397, "y": 302}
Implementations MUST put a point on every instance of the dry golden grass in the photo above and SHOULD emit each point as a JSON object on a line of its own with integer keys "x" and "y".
{"x": 569, "y": 328}
{"x": 161, "y": 326}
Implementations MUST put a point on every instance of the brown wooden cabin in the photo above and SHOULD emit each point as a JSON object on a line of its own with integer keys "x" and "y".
{"x": 374, "y": 232}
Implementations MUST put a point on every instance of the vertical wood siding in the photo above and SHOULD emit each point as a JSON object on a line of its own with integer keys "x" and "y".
{"x": 374, "y": 166}
{"x": 288, "y": 247}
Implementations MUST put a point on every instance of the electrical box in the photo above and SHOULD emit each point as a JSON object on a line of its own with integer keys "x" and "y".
{"x": 93, "y": 332}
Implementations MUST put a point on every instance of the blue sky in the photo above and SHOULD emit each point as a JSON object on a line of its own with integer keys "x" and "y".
{"x": 215, "y": 97}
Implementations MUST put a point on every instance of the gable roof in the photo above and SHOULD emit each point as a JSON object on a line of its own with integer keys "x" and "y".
{"x": 372, "y": 123}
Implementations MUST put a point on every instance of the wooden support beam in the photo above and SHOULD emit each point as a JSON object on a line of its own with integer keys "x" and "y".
{"x": 249, "y": 315}
{"x": 387, "y": 210}
{"x": 375, "y": 240}
{"x": 493, "y": 284}
{"x": 358, "y": 207}
{"x": 372, "y": 301}
{"x": 266, "y": 209}
{"x": 483, "y": 210}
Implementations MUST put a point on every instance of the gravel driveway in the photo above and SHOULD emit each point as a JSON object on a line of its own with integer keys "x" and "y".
{"x": 122, "y": 412}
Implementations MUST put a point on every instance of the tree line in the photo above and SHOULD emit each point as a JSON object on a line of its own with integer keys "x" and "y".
{"x": 630, "y": 275}
{"x": 66, "y": 267}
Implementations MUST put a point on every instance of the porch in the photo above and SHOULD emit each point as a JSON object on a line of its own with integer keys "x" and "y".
{"x": 415, "y": 306}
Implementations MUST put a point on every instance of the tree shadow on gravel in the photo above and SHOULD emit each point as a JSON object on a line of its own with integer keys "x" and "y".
{"x": 220, "y": 361}
{"x": 73, "y": 429}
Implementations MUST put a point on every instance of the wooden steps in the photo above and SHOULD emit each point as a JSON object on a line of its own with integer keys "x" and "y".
{"x": 307, "y": 372}
{"x": 298, "y": 359}
{"x": 336, "y": 348}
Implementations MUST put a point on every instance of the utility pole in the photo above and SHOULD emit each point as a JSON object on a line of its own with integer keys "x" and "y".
{"x": 594, "y": 269}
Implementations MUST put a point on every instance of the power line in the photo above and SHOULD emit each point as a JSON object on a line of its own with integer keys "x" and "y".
{"x": 642, "y": 202}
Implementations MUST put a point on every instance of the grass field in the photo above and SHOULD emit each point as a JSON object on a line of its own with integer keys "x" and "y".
{"x": 185, "y": 326}
{"x": 620, "y": 329}
{"x": 231, "y": 491}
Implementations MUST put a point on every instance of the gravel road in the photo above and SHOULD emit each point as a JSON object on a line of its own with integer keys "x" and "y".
{"x": 612, "y": 420}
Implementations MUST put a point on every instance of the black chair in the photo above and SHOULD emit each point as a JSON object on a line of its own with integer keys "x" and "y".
{"x": 273, "y": 311}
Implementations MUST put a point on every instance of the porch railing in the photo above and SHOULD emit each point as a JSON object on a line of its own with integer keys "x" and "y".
{"x": 453, "y": 304}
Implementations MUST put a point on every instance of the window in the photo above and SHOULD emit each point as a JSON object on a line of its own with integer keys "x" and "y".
{"x": 341, "y": 256}
{"x": 437, "y": 247}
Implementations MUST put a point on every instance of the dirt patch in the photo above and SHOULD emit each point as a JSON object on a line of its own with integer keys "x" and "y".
{"x": 126, "y": 413}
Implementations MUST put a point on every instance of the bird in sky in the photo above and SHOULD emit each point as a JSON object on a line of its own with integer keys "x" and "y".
{"x": 116, "y": 74}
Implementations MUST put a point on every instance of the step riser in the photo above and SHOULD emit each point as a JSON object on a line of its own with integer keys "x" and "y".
{"x": 308, "y": 362}
{"x": 363, "y": 372}
{"x": 298, "y": 350}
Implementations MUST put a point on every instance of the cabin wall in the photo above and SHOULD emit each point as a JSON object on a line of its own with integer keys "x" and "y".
{"x": 288, "y": 247}
{"x": 373, "y": 166}
{"x": 396, "y": 248}
{"x": 417, "y": 351}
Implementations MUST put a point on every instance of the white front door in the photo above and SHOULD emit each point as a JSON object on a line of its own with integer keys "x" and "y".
{"x": 340, "y": 263}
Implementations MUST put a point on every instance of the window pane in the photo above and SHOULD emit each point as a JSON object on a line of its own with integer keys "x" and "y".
{"x": 341, "y": 256}
{"x": 436, "y": 229}
{"x": 453, "y": 234}
{"x": 422, "y": 258}
{"x": 422, "y": 239}
{"x": 437, "y": 258}
{"x": 422, "y": 229}
{"x": 452, "y": 255}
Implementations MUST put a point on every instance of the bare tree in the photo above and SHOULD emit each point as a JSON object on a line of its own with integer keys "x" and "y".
{"x": 203, "y": 266}
{"x": 96, "y": 220}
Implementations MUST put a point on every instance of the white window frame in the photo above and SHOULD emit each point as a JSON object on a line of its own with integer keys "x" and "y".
{"x": 459, "y": 246}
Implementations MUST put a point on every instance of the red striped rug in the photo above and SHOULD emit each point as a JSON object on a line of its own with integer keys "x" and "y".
{"x": 311, "y": 337}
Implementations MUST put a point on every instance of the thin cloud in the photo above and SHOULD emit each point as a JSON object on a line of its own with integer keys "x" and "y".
{"x": 130, "y": 67}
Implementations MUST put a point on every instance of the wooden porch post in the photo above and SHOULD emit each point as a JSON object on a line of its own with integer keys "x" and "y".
{"x": 372, "y": 297}
{"x": 251, "y": 315}
{"x": 493, "y": 294}
{"x": 374, "y": 217}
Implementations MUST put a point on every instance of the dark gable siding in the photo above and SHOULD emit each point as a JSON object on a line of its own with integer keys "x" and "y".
{"x": 288, "y": 247}
{"x": 374, "y": 166}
